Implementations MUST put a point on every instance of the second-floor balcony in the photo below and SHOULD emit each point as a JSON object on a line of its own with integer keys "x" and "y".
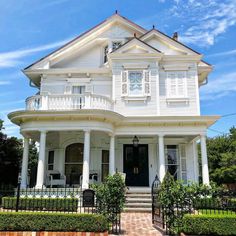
{"x": 68, "y": 102}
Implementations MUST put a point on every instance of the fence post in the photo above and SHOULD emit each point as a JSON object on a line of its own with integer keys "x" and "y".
{"x": 18, "y": 193}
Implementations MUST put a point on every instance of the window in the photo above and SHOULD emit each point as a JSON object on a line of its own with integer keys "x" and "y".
{"x": 172, "y": 160}
{"x": 105, "y": 164}
{"x": 50, "y": 160}
{"x": 74, "y": 163}
{"x": 135, "y": 83}
{"x": 116, "y": 44}
{"x": 176, "y": 84}
{"x": 78, "y": 89}
{"x": 105, "y": 52}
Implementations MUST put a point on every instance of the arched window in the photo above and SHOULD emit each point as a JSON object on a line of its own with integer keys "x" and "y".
{"x": 74, "y": 163}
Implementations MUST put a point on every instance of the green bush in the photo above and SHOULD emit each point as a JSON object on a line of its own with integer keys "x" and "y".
{"x": 110, "y": 196}
{"x": 39, "y": 221}
{"x": 209, "y": 224}
{"x": 47, "y": 204}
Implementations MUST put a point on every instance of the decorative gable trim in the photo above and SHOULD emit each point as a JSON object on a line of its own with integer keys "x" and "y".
{"x": 167, "y": 38}
{"x": 114, "y": 18}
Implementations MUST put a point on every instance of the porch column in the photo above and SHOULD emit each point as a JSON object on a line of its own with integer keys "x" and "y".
{"x": 195, "y": 161}
{"x": 205, "y": 171}
{"x": 41, "y": 160}
{"x": 162, "y": 170}
{"x": 85, "y": 180}
{"x": 24, "y": 167}
{"x": 112, "y": 155}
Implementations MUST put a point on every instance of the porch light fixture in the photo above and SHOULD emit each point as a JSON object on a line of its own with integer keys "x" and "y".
{"x": 135, "y": 141}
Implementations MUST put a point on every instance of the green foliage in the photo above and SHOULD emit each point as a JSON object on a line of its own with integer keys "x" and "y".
{"x": 35, "y": 221}
{"x": 173, "y": 194}
{"x": 11, "y": 149}
{"x": 46, "y": 204}
{"x": 110, "y": 196}
{"x": 220, "y": 224}
{"x": 221, "y": 153}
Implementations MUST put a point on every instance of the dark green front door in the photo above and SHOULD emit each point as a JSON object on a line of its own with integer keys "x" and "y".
{"x": 136, "y": 165}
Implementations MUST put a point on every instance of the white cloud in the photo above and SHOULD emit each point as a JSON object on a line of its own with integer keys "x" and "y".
{"x": 3, "y": 82}
{"x": 14, "y": 58}
{"x": 221, "y": 86}
{"x": 225, "y": 53}
{"x": 209, "y": 19}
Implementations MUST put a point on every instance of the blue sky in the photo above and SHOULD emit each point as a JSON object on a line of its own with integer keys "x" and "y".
{"x": 30, "y": 29}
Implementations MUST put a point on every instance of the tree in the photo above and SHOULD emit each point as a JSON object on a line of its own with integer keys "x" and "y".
{"x": 221, "y": 152}
{"x": 11, "y": 149}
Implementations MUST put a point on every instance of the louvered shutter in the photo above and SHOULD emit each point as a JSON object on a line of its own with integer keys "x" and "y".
{"x": 124, "y": 83}
{"x": 181, "y": 84}
{"x": 146, "y": 83}
{"x": 171, "y": 84}
{"x": 183, "y": 163}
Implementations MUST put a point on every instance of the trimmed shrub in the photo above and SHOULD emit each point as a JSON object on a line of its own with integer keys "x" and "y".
{"x": 209, "y": 224}
{"x": 39, "y": 221}
{"x": 42, "y": 204}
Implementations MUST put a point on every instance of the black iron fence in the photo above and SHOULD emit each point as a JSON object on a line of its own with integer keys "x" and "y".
{"x": 169, "y": 219}
{"x": 65, "y": 200}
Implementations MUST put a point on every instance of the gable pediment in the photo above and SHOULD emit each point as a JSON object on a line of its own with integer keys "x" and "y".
{"x": 135, "y": 46}
{"x": 166, "y": 44}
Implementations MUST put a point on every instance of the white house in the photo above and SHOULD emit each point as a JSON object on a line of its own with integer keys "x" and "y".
{"x": 117, "y": 97}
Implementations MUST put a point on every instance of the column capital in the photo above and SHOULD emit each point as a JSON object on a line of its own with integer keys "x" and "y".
{"x": 43, "y": 131}
{"x": 112, "y": 135}
{"x": 87, "y": 130}
{"x": 160, "y": 135}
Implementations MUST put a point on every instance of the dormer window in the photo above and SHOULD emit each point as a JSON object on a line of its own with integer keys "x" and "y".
{"x": 135, "y": 82}
{"x": 105, "y": 52}
{"x": 116, "y": 44}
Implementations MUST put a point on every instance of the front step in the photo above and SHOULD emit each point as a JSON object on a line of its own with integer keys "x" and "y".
{"x": 138, "y": 200}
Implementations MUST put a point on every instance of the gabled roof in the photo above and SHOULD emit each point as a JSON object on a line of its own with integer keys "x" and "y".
{"x": 154, "y": 31}
{"x": 138, "y": 42}
{"x": 114, "y": 17}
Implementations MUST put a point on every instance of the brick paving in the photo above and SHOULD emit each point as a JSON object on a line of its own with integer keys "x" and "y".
{"x": 138, "y": 224}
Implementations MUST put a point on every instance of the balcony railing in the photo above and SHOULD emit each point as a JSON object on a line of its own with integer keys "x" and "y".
{"x": 68, "y": 102}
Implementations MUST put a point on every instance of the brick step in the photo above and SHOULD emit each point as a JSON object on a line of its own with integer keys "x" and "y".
{"x": 138, "y": 205}
{"x": 137, "y": 209}
{"x": 139, "y": 200}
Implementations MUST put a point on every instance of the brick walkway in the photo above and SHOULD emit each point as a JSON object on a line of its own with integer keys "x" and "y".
{"x": 138, "y": 224}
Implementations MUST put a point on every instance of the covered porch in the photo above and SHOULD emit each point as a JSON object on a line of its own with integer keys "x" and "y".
{"x": 77, "y": 158}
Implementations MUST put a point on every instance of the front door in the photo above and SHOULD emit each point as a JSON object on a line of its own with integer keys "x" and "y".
{"x": 136, "y": 165}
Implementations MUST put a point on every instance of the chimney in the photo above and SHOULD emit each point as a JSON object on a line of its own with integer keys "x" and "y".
{"x": 175, "y": 36}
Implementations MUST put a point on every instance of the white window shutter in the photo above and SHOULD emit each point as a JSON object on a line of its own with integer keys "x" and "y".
{"x": 171, "y": 85}
{"x": 68, "y": 89}
{"x": 181, "y": 84}
{"x": 183, "y": 163}
{"x": 124, "y": 83}
{"x": 146, "y": 83}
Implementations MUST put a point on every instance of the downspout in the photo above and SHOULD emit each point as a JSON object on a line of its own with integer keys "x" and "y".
{"x": 31, "y": 84}
{"x": 205, "y": 82}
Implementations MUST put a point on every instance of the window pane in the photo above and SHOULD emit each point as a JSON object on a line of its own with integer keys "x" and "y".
{"x": 74, "y": 152}
{"x": 105, "y": 156}
{"x": 135, "y": 83}
{"x": 50, "y": 157}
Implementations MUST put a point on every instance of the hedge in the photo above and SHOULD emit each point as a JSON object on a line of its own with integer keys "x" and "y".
{"x": 40, "y": 221}
{"x": 214, "y": 203}
{"x": 209, "y": 224}
{"x": 43, "y": 204}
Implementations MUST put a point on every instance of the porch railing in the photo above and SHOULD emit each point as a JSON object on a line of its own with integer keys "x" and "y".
{"x": 68, "y": 102}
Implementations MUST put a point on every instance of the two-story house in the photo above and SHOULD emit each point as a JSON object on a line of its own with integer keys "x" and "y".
{"x": 117, "y": 98}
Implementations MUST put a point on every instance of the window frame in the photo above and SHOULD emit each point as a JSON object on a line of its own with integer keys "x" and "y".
{"x": 177, "y": 94}
{"x": 146, "y": 85}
